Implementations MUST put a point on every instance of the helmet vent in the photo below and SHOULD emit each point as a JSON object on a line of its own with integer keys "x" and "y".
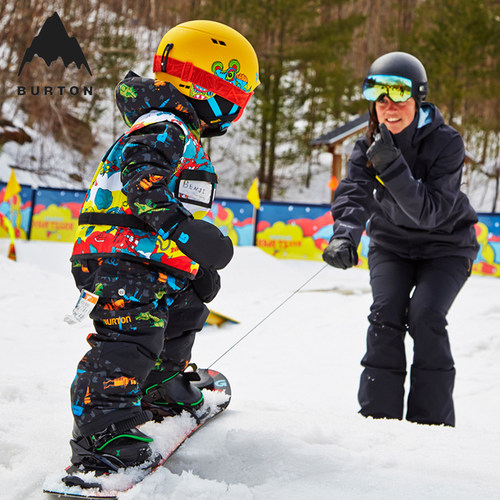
{"x": 218, "y": 42}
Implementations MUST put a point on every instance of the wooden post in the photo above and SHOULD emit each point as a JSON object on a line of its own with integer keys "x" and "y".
{"x": 336, "y": 161}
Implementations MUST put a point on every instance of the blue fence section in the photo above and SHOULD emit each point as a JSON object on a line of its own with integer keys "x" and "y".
{"x": 286, "y": 230}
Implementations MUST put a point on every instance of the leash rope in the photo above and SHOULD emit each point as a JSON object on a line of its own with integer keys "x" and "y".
{"x": 268, "y": 315}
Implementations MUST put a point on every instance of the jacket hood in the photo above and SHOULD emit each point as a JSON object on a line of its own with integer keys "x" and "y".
{"x": 136, "y": 96}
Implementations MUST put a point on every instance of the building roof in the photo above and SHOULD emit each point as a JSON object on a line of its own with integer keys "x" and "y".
{"x": 340, "y": 133}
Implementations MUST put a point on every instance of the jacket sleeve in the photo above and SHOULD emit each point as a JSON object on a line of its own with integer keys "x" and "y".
{"x": 429, "y": 202}
{"x": 353, "y": 200}
{"x": 148, "y": 162}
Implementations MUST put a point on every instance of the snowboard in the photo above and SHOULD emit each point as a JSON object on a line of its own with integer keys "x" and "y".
{"x": 168, "y": 437}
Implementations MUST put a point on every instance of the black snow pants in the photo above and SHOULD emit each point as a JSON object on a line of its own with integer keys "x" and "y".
{"x": 413, "y": 296}
{"x": 144, "y": 318}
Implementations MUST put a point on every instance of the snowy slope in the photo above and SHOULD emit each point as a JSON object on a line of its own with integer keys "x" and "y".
{"x": 292, "y": 430}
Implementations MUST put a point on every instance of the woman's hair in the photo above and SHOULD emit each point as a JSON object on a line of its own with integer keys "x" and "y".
{"x": 372, "y": 124}
{"x": 372, "y": 129}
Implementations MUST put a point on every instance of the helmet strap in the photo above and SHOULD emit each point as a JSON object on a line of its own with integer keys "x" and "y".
{"x": 215, "y": 107}
{"x": 164, "y": 56}
{"x": 214, "y": 131}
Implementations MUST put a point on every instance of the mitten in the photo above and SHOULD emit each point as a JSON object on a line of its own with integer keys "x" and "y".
{"x": 206, "y": 284}
{"x": 204, "y": 243}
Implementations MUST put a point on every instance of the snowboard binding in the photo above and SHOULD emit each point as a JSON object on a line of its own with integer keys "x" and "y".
{"x": 167, "y": 394}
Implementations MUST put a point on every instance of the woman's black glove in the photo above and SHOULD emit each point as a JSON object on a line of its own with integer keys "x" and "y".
{"x": 206, "y": 284}
{"x": 383, "y": 150}
{"x": 340, "y": 253}
{"x": 204, "y": 243}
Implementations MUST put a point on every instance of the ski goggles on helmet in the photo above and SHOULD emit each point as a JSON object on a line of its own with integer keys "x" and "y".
{"x": 208, "y": 82}
{"x": 397, "y": 88}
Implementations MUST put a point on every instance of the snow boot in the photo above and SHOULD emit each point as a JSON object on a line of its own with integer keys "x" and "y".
{"x": 168, "y": 393}
{"x": 118, "y": 446}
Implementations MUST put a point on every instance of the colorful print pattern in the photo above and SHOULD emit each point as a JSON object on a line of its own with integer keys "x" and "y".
{"x": 107, "y": 194}
{"x": 130, "y": 320}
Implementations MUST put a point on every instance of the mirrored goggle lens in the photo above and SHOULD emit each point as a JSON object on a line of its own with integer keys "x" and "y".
{"x": 397, "y": 88}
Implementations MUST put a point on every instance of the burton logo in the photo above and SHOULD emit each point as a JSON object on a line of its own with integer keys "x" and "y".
{"x": 52, "y": 42}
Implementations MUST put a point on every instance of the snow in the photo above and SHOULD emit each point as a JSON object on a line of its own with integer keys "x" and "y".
{"x": 292, "y": 430}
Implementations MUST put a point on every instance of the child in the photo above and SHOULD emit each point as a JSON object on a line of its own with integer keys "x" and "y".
{"x": 141, "y": 245}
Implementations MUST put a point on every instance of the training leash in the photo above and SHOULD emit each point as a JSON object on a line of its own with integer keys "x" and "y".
{"x": 268, "y": 315}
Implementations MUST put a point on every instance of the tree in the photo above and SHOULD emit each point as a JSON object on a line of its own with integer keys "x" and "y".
{"x": 463, "y": 67}
{"x": 325, "y": 75}
{"x": 313, "y": 56}
{"x": 48, "y": 106}
{"x": 301, "y": 47}
{"x": 462, "y": 59}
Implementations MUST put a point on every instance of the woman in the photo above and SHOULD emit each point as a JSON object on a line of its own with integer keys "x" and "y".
{"x": 404, "y": 178}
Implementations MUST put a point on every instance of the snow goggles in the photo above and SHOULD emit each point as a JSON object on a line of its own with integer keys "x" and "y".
{"x": 209, "y": 82}
{"x": 397, "y": 88}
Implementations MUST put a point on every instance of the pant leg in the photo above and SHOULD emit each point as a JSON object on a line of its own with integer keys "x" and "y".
{"x": 188, "y": 315}
{"x": 381, "y": 390}
{"x": 438, "y": 282}
{"x": 130, "y": 319}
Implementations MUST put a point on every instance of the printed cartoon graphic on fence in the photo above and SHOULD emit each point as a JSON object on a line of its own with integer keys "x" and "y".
{"x": 284, "y": 230}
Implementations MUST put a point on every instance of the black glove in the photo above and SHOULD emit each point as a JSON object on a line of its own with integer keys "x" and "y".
{"x": 383, "y": 151}
{"x": 206, "y": 284}
{"x": 204, "y": 243}
{"x": 340, "y": 253}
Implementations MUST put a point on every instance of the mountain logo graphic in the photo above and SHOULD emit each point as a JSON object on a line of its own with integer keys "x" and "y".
{"x": 53, "y": 42}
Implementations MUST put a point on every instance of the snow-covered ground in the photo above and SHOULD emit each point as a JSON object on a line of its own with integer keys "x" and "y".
{"x": 292, "y": 430}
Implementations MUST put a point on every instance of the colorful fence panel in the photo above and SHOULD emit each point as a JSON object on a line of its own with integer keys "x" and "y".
{"x": 55, "y": 214}
{"x": 488, "y": 235}
{"x": 18, "y": 210}
{"x": 294, "y": 230}
{"x": 235, "y": 218}
{"x": 284, "y": 230}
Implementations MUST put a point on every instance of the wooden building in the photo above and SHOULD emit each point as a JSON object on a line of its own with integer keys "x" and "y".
{"x": 334, "y": 140}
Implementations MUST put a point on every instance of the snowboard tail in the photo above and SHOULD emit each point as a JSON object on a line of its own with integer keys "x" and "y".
{"x": 168, "y": 435}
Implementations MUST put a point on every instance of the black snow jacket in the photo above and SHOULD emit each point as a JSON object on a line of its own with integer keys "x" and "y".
{"x": 415, "y": 208}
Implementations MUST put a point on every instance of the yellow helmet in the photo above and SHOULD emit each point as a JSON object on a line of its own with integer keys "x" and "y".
{"x": 213, "y": 65}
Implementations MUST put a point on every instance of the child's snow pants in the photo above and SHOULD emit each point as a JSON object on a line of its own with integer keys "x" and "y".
{"x": 143, "y": 318}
